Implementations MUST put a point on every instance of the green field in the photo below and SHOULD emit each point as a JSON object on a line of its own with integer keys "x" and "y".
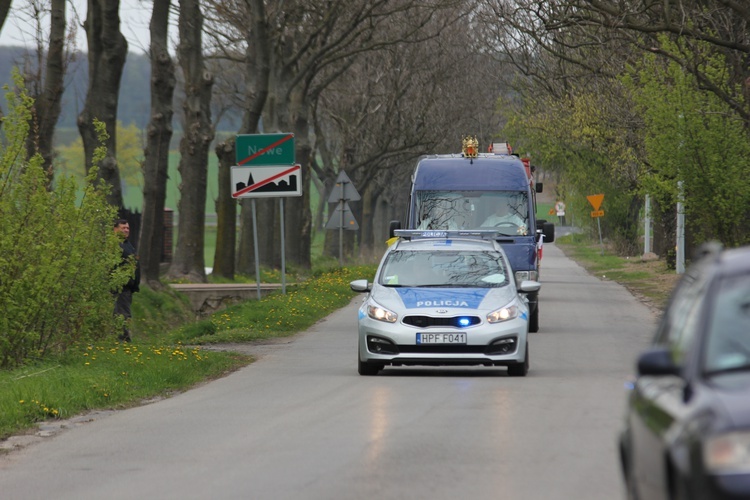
{"x": 133, "y": 195}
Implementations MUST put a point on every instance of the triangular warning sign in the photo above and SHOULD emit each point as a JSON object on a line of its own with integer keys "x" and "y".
{"x": 595, "y": 200}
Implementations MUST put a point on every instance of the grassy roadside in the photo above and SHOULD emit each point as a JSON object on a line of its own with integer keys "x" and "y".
{"x": 165, "y": 356}
{"x": 650, "y": 281}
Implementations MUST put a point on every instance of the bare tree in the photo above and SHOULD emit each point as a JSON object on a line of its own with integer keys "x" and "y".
{"x": 158, "y": 137}
{"x": 46, "y": 85}
{"x": 4, "y": 8}
{"x": 257, "y": 66}
{"x": 107, "y": 52}
{"x": 198, "y": 133}
{"x": 394, "y": 105}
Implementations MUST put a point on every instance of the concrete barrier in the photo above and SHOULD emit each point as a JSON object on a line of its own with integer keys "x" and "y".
{"x": 206, "y": 298}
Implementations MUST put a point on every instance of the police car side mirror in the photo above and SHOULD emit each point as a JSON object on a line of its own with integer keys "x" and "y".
{"x": 529, "y": 286}
{"x": 360, "y": 286}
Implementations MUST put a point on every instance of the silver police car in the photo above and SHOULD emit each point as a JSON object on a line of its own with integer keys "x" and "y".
{"x": 444, "y": 298}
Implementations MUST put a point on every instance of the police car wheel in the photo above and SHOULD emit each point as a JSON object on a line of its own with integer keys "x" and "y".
{"x": 367, "y": 369}
{"x": 520, "y": 369}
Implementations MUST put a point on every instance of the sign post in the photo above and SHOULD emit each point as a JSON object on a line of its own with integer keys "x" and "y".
{"x": 266, "y": 169}
{"x": 560, "y": 211}
{"x": 596, "y": 202}
{"x": 342, "y": 191}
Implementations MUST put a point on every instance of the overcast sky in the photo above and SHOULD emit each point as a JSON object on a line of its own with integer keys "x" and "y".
{"x": 135, "y": 16}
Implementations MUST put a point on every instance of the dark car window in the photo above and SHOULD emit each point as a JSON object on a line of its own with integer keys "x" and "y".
{"x": 728, "y": 345}
{"x": 680, "y": 321}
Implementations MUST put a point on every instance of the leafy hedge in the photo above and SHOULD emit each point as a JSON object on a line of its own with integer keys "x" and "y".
{"x": 57, "y": 250}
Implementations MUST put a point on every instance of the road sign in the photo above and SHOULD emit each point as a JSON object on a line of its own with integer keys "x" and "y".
{"x": 595, "y": 200}
{"x": 597, "y": 213}
{"x": 343, "y": 189}
{"x": 264, "y": 149}
{"x": 560, "y": 208}
{"x": 266, "y": 182}
{"x": 349, "y": 222}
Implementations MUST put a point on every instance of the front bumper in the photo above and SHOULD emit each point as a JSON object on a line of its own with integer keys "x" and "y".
{"x": 395, "y": 344}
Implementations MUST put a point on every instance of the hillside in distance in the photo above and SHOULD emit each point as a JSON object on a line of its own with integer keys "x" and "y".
{"x": 134, "y": 99}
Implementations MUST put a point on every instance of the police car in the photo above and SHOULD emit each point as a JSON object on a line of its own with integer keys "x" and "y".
{"x": 444, "y": 298}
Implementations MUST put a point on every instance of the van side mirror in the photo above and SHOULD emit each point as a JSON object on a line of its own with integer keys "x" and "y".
{"x": 392, "y": 226}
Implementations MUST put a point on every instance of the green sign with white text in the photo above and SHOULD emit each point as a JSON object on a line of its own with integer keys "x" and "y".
{"x": 264, "y": 149}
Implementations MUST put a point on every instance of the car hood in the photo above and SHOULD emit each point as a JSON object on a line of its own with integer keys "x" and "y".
{"x": 459, "y": 299}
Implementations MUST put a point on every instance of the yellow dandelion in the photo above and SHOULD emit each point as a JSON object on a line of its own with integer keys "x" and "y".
{"x": 22, "y": 401}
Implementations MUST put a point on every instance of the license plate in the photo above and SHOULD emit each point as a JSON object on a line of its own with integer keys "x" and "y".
{"x": 441, "y": 338}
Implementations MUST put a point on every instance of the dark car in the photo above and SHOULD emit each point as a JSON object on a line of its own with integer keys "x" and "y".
{"x": 687, "y": 425}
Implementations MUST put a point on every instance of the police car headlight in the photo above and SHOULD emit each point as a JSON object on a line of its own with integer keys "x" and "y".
{"x": 381, "y": 314}
{"x": 526, "y": 276}
{"x": 503, "y": 314}
{"x": 728, "y": 453}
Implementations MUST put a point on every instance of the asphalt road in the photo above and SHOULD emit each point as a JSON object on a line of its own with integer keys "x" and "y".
{"x": 300, "y": 423}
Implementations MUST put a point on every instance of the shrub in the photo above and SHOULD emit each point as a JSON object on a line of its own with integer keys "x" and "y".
{"x": 57, "y": 250}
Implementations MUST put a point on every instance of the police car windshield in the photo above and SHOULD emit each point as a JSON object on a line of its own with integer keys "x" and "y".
{"x": 462, "y": 268}
{"x": 505, "y": 211}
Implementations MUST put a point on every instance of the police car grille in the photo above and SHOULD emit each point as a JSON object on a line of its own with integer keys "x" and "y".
{"x": 427, "y": 321}
{"x": 442, "y": 349}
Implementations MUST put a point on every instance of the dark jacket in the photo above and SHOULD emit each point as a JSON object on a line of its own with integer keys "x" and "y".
{"x": 127, "y": 250}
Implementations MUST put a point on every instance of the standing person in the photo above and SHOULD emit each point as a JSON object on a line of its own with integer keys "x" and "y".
{"x": 124, "y": 298}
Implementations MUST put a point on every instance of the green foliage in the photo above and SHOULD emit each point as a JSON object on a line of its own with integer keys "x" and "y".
{"x": 693, "y": 136}
{"x": 56, "y": 253}
{"x": 575, "y": 137}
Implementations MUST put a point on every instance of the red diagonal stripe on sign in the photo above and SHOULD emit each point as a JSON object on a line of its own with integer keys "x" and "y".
{"x": 267, "y": 148}
{"x": 265, "y": 181}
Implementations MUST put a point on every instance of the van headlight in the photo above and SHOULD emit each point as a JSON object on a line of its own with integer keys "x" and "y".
{"x": 381, "y": 314}
{"x": 727, "y": 453}
{"x": 503, "y": 314}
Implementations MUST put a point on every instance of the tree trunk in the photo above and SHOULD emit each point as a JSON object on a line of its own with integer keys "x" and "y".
{"x": 226, "y": 213}
{"x": 189, "y": 261}
{"x": 47, "y": 106}
{"x": 158, "y": 137}
{"x": 297, "y": 214}
{"x": 258, "y": 69}
{"x": 4, "y": 8}
{"x": 107, "y": 52}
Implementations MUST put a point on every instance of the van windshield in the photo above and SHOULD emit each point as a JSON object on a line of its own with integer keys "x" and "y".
{"x": 505, "y": 211}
